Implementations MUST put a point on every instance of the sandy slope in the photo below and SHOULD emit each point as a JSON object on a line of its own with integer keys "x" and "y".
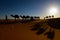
{"x": 19, "y": 31}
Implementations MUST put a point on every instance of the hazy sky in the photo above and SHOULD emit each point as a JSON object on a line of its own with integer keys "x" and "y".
{"x": 27, "y": 7}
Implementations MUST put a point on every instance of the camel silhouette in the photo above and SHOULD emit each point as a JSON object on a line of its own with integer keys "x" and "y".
{"x": 15, "y": 16}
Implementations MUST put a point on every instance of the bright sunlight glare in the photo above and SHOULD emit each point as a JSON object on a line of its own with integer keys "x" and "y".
{"x": 53, "y": 11}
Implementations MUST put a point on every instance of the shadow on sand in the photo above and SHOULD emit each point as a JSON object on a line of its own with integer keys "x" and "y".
{"x": 41, "y": 29}
{"x": 50, "y": 34}
{"x": 54, "y": 23}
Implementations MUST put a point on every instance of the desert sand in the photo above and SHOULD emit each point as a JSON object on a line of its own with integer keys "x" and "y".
{"x": 21, "y": 31}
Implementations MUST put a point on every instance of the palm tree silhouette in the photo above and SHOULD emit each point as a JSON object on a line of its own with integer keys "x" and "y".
{"x": 46, "y": 16}
{"x": 52, "y": 16}
{"x": 49, "y": 16}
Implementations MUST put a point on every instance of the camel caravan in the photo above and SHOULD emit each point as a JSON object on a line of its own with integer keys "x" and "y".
{"x": 16, "y": 17}
{"x": 21, "y": 18}
{"x": 26, "y": 18}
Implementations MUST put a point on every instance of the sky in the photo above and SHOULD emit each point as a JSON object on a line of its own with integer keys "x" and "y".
{"x": 28, "y": 7}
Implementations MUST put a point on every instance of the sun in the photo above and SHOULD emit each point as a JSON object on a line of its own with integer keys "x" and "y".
{"x": 53, "y": 11}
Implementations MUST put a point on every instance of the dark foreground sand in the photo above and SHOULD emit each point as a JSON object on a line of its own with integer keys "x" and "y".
{"x": 21, "y": 31}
